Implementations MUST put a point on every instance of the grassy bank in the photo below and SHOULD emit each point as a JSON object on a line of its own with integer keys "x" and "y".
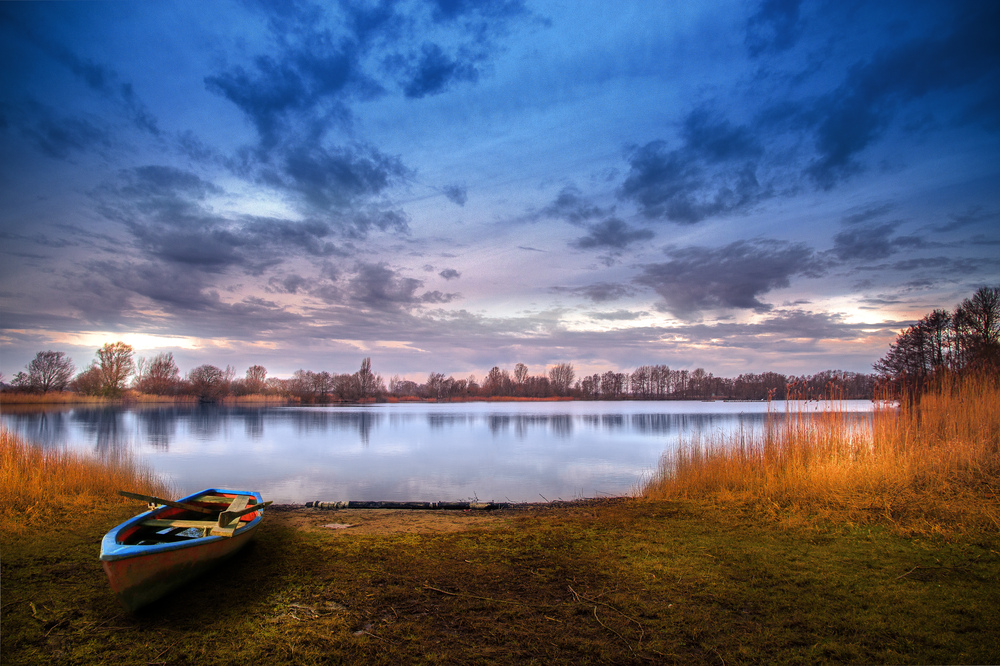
{"x": 38, "y": 486}
{"x": 622, "y": 582}
{"x": 930, "y": 465}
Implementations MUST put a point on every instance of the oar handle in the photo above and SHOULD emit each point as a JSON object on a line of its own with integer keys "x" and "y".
{"x": 166, "y": 502}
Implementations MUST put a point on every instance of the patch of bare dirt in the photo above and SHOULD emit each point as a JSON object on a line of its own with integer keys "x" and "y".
{"x": 345, "y": 522}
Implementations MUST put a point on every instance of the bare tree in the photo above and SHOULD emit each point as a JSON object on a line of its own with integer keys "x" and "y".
{"x": 158, "y": 375}
{"x": 50, "y": 371}
{"x": 520, "y": 374}
{"x": 977, "y": 323}
{"x": 368, "y": 383}
{"x": 89, "y": 381}
{"x": 115, "y": 364}
{"x": 210, "y": 383}
{"x": 256, "y": 379}
{"x": 561, "y": 376}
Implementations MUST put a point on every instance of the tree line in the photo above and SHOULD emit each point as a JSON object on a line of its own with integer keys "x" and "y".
{"x": 116, "y": 369}
{"x": 967, "y": 338}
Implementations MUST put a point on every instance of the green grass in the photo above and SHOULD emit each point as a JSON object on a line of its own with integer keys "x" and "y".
{"x": 624, "y": 581}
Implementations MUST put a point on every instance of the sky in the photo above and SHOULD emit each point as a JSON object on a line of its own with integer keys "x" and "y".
{"x": 449, "y": 185}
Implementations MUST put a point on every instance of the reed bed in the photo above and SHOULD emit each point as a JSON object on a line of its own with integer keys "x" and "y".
{"x": 39, "y": 485}
{"x": 929, "y": 465}
{"x": 50, "y": 398}
{"x": 255, "y": 399}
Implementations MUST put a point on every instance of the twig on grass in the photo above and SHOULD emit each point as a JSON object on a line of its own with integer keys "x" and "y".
{"x": 928, "y": 568}
{"x": 499, "y": 601}
{"x": 623, "y": 639}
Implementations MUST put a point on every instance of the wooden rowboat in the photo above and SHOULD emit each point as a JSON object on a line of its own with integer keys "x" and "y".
{"x": 151, "y": 554}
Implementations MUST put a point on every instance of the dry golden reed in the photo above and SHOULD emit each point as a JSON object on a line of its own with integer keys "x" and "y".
{"x": 51, "y": 398}
{"x": 931, "y": 465}
{"x": 37, "y": 485}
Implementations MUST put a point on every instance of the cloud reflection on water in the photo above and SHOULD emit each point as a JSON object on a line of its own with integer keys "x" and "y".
{"x": 499, "y": 451}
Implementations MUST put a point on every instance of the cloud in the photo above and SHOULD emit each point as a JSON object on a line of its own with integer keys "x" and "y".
{"x": 290, "y": 284}
{"x": 774, "y": 27}
{"x": 599, "y": 292}
{"x": 434, "y": 72}
{"x": 975, "y": 215}
{"x": 712, "y": 172}
{"x": 168, "y": 213}
{"x": 961, "y": 52}
{"x": 611, "y": 234}
{"x": 101, "y": 79}
{"x": 729, "y": 277}
{"x": 572, "y": 206}
{"x": 865, "y": 244}
{"x": 331, "y": 179}
{"x": 450, "y": 274}
{"x": 375, "y": 286}
{"x": 715, "y": 167}
{"x": 457, "y": 194}
{"x": 61, "y": 136}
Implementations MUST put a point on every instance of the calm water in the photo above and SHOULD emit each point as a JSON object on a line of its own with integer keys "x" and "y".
{"x": 432, "y": 452}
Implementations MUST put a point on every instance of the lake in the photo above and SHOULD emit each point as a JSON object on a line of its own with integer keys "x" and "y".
{"x": 505, "y": 451}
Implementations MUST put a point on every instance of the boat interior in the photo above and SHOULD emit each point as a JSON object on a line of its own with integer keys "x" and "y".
{"x": 204, "y": 515}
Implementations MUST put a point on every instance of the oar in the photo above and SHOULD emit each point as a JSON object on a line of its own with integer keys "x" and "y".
{"x": 227, "y": 517}
{"x": 160, "y": 500}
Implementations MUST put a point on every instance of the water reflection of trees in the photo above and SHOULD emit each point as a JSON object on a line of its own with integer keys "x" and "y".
{"x": 46, "y": 427}
{"x": 105, "y": 427}
{"x": 560, "y": 425}
{"x": 159, "y": 426}
{"x": 307, "y": 421}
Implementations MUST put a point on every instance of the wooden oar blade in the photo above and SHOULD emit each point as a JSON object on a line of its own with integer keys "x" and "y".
{"x": 227, "y": 517}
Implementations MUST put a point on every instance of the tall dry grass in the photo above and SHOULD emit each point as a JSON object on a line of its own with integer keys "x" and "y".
{"x": 39, "y": 485}
{"x": 930, "y": 465}
{"x": 50, "y": 398}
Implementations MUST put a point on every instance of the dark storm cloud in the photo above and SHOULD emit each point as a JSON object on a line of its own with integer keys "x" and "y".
{"x": 733, "y": 276}
{"x": 713, "y": 172}
{"x": 450, "y": 274}
{"x": 611, "y": 234}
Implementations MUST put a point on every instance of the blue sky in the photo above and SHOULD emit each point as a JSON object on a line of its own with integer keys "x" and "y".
{"x": 448, "y": 185}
